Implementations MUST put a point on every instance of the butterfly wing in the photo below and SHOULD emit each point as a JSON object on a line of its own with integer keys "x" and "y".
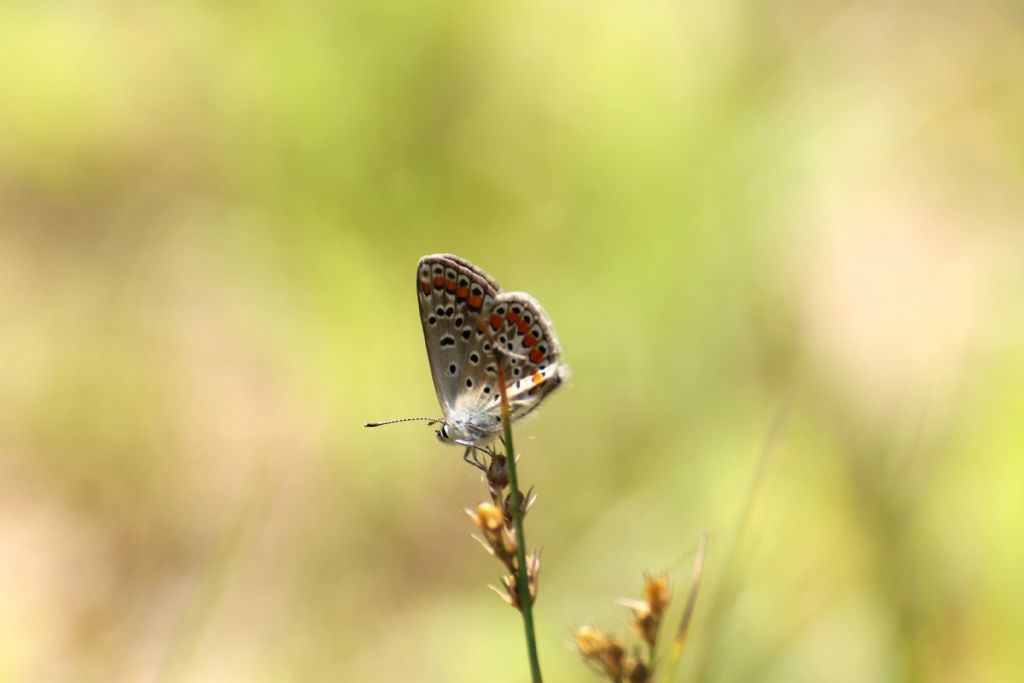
{"x": 531, "y": 355}
{"x": 453, "y": 296}
{"x": 531, "y": 361}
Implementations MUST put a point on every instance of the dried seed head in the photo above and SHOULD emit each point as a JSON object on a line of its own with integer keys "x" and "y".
{"x": 614, "y": 657}
{"x": 489, "y": 518}
{"x": 497, "y": 473}
{"x": 497, "y": 538}
{"x": 509, "y": 581}
{"x": 590, "y": 642}
{"x": 528, "y": 500}
{"x": 533, "y": 572}
{"x": 657, "y": 594}
{"x": 511, "y": 595}
{"x": 637, "y": 671}
{"x": 646, "y": 624}
{"x": 609, "y": 654}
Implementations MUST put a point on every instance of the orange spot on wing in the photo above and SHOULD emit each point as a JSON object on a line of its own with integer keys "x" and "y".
{"x": 438, "y": 282}
{"x": 476, "y": 302}
{"x": 512, "y": 317}
{"x": 536, "y": 355}
{"x": 495, "y": 321}
{"x": 538, "y": 377}
{"x": 462, "y": 293}
{"x": 523, "y": 327}
{"x": 425, "y": 286}
{"x": 529, "y": 340}
{"x": 450, "y": 285}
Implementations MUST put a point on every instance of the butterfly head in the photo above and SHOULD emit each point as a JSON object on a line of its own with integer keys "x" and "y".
{"x": 453, "y": 434}
{"x": 444, "y": 434}
{"x": 468, "y": 429}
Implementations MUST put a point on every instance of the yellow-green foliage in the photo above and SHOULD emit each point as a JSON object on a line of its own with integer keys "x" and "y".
{"x": 737, "y": 214}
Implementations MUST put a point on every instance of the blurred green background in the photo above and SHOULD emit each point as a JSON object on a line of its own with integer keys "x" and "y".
{"x": 745, "y": 219}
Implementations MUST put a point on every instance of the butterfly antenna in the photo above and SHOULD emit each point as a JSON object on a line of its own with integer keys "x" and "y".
{"x": 432, "y": 420}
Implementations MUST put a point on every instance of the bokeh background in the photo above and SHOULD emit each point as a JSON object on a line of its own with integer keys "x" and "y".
{"x": 781, "y": 243}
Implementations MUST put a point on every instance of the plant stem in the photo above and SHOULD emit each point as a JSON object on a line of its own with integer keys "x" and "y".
{"x": 522, "y": 575}
{"x": 691, "y": 602}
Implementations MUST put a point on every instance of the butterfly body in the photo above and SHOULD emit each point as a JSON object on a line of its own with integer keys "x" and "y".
{"x": 469, "y": 327}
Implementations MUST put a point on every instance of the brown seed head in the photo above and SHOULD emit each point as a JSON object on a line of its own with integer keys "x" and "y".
{"x": 646, "y": 624}
{"x": 614, "y": 657}
{"x": 657, "y": 594}
{"x": 590, "y": 642}
{"x": 636, "y": 671}
{"x": 497, "y": 473}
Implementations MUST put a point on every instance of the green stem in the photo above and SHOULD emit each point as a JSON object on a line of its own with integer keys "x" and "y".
{"x": 522, "y": 576}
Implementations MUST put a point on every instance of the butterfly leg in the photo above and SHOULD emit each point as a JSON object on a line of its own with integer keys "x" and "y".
{"x": 471, "y": 457}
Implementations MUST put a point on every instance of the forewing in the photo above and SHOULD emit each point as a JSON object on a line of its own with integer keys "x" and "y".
{"x": 453, "y": 296}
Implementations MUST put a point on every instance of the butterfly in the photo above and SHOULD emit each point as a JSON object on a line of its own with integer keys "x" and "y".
{"x": 470, "y": 327}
